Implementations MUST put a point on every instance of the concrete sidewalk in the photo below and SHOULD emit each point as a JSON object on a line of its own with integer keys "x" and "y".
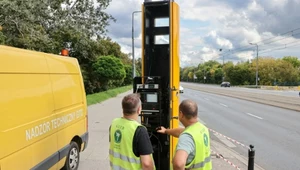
{"x": 95, "y": 157}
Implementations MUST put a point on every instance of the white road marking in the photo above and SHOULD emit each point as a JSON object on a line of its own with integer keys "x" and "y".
{"x": 225, "y": 141}
{"x": 206, "y": 99}
{"x": 254, "y": 116}
{"x": 223, "y": 104}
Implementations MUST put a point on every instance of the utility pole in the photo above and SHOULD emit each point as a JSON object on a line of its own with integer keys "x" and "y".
{"x": 133, "y": 57}
{"x": 256, "y": 63}
{"x": 223, "y": 76}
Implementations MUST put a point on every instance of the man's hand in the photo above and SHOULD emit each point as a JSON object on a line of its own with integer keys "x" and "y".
{"x": 173, "y": 132}
{"x": 161, "y": 129}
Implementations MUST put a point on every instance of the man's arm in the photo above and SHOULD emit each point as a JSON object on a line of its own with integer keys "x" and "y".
{"x": 142, "y": 147}
{"x": 147, "y": 162}
{"x": 185, "y": 152}
{"x": 179, "y": 160}
{"x": 173, "y": 132}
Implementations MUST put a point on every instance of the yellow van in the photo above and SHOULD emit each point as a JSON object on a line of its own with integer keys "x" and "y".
{"x": 43, "y": 111}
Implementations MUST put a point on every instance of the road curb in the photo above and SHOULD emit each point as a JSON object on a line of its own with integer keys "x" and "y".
{"x": 232, "y": 155}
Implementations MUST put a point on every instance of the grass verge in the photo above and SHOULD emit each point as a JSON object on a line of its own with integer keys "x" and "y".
{"x": 99, "y": 97}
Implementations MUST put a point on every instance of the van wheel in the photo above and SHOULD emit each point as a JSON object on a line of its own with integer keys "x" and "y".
{"x": 72, "y": 160}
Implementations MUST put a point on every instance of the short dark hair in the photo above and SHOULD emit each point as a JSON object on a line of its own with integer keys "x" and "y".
{"x": 130, "y": 103}
{"x": 188, "y": 108}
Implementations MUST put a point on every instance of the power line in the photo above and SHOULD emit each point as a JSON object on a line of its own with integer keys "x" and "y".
{"x": 248, "y": 47}
{"x": 281, "y": 48}
{"x": 280, "y": 39}
{"x": 281, "y": 45}
{"x": 267, "y": 41}
{"x": 280, "y": 35}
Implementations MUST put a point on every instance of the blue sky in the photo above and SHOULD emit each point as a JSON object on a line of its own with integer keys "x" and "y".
{"x": 209, "y": 25}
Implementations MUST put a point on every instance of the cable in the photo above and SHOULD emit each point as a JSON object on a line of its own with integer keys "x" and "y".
{"x": 276, "y": 49}
{"x": 159, "y": 143}
{"x": 280, "y": 34}
{"x": 247, "y": 47}
{"x": 282, "y": 45}
{"x": 280, "y": 39}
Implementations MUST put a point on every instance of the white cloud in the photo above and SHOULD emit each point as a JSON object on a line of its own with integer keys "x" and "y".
{"x": 210, "y": 25}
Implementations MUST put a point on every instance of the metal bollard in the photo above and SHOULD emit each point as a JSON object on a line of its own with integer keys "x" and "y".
{"x": 251, "y": 155}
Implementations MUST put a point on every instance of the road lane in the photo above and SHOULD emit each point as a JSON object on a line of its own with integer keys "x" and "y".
{"x": 287, "y": 102}
{"x": 290, "y": 93}
{"x": 275, "y": 136}
{"x": 250, "y": 114}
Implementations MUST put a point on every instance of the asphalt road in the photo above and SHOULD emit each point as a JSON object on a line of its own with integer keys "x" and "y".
{"x": 274, "y": 132}
{"x": 290, "y": 93}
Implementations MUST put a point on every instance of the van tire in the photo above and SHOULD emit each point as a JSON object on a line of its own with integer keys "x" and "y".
{"x": 72, "y": 160}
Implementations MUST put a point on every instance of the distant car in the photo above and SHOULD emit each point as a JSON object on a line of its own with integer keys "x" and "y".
{"x": 225, "y": 84}
{"x": 180, "y": 89}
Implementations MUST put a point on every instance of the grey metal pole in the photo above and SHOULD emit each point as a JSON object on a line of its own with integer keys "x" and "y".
{"x": 256, "y": 65}
{"x": 223, "y": 75}
{"x": 223, "y": 69}
{"x": 133, "y": 57}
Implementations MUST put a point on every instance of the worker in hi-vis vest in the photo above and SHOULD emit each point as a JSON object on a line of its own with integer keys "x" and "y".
{"x": 193, "y": 147}
{"x": 130, "y": 146}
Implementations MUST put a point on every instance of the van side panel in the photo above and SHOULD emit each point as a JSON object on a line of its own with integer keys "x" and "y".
{"x": 69, "y": 107}
{"x": 26, "y": 106}
{"x": 69, "y": 100}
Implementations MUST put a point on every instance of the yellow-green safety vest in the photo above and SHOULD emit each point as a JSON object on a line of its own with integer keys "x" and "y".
{"x": 121, "y": 155}
{"x": 201, "y": 138}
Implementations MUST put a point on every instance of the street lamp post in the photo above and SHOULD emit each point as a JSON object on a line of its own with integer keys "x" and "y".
{"x": 133, "y": 58}
{"x": 256, "y": 63}
{"x": 223, "y": 76}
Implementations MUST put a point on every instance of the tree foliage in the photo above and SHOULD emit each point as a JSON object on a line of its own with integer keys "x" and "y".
{"x": 109, "y": 69}
{"x": 293, "y": 60}
{"x": 285, "y": 71}
{"x": 2, "y": 38}
{"x": 128, "y": 79}
{"x": 50, "y": 25}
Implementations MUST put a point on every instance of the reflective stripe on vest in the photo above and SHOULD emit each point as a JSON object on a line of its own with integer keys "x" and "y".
{"x": 201, "y": 164}
{"x": 200, "y": 134}
{"x": 124, "y": 157}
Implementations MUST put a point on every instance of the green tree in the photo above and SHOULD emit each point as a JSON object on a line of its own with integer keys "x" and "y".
{"x": 109, "y": 47}
{"x": 128, "y": 79}
{"x": 138, "y": 67}
{"x": 285, "y": 73}
{"x": 191, "y": 75}
{"x": 49, "y": 26}
{"x": 239, "y": 74}
{"x": 2, "y": 38}
{"x": 293, "y": 60}
{"x": 109, "y": 69}
{"x": 188, "y": 73}
{"x": 218, "y": 76}
{"x": 185, "y": 74}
